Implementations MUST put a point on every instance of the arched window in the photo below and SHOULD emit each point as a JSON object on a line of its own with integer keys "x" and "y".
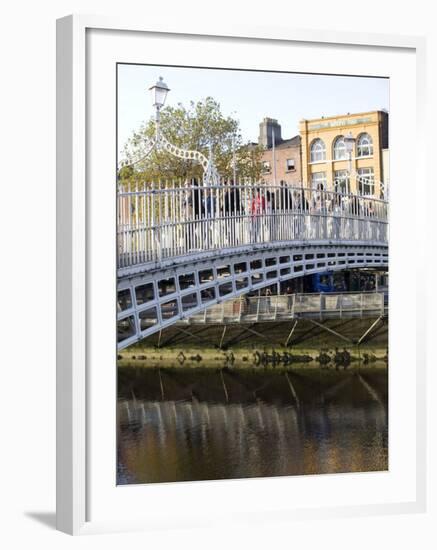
{"x": 364, "y": 145}
{"x": 317, "y": 151}
{"x": 339, "y": 148}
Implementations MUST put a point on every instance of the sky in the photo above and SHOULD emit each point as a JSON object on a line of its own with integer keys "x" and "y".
{"x": 247, "y": 96}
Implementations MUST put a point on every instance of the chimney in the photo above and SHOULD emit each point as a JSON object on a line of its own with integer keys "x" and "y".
{"x": 265, "y": 132}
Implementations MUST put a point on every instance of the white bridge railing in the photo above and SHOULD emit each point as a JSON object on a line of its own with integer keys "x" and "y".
{"x": 162, "y": 221}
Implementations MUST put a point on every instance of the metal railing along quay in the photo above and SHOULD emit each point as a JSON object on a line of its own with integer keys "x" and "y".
{"x": 259, "y": 309}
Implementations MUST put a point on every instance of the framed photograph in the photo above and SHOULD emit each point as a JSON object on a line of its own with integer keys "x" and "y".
{"x": 238, "y": 333}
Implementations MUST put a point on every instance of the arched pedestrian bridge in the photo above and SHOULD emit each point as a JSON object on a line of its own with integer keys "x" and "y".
{"x": 182, "y": 249}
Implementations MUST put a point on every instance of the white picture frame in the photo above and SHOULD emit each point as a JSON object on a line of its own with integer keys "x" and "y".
{"x": 75, "y": 212}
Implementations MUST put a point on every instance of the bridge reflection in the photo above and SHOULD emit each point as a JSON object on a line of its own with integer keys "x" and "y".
{"x": 297, "y": 422}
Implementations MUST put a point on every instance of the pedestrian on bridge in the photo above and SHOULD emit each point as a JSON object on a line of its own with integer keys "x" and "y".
{"x": 336, "y": 213}
{"x": 300, "y": 207}
{"x": 271, "y": 215}
{"x": 258, "y": 209}
{"x": 231, "y": 202}
{"x": 285, "y": 197}
{"x": 193, "y": 206}
{"x": 231, "y": 211}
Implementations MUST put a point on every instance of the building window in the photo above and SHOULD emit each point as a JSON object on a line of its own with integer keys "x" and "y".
{"x": 317, "y": 151}
{"x": 290, "y": 165}
{"x": 266, "y": 167}
{"x": 341, "y": 181}
{"x": 340, "y": 148}
{"x": 366, "y": 181}
{"x": 318, "y": 180}
{"x": 364, "y": 146}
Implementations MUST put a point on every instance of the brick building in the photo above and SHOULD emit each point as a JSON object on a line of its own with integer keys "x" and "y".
{"x": 286, "y": 153}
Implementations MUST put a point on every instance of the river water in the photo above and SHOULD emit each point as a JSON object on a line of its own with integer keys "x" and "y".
{"x": 204, "y": 424}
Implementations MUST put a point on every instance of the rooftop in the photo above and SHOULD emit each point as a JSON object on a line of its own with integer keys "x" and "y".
{"x": 286, "y": 143}
{"x": 344, "y": 115}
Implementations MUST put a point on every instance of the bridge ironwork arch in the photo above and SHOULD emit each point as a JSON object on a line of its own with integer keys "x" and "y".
{"x": 183, "y": 249}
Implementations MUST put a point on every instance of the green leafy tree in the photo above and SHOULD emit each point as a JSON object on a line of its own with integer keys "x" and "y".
{"x": 195, "y": 128}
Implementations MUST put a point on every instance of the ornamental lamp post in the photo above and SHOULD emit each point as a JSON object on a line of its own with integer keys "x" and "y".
{"x": 349, "y": 142}
{"x": 159, "y": 93}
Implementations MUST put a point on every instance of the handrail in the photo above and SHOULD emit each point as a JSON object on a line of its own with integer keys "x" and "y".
{"x": 162, "y": 220}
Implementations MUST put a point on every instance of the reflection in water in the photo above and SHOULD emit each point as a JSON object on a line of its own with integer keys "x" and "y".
{"x": 237, "y": 424}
